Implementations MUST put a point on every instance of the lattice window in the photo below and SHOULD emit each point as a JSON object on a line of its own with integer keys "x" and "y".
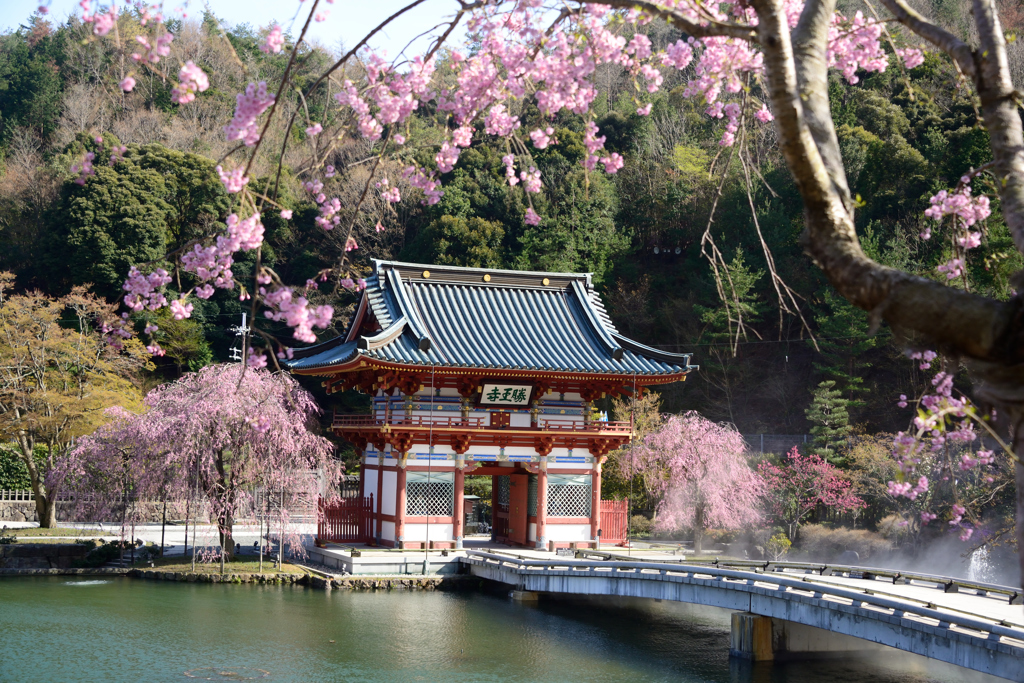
{"x": 504, "y": 486}
{"x": 531, "y": 497}
{"x": 569, "y": 495}
{"x": 429, "y": 494}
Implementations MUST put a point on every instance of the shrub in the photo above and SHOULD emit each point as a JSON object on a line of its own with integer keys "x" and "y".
{"x": 640, "y": 526}
{"x": 777, "y": 546}
{"x": 898, "y": 529}
{"x": 825, "y": 544}
{"x": 713, "y": 536}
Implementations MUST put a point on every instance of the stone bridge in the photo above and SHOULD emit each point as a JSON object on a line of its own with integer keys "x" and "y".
{"x": 796, "y": 609}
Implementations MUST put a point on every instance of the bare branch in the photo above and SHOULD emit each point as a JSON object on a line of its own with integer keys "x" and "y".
{"x": 941, "y": 38}
{"x": 685, "y": 24}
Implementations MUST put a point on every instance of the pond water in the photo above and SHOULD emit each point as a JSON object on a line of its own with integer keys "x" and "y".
{"x": 61, "y": 629}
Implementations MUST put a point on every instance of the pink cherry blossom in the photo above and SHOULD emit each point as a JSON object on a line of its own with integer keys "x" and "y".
{"x": 531, "y": 180}
{"x": 191, "y": 79}
{"x": 314, "y": 130}
{"x": 84, "y": 168}
{"x": 229, "y": 430}
{"x": 961, "y": 204}
{"x": 142, "y": 290}
{"x": 286, "y": 214}
{"x": 274, "y": 41}
{"x": 248, "y": 108}
{"x": 234, "y": 180}
{"x": 351, "y": 244}
{"x": 954, "y": 268}
{"x": 128, "y": 84}
{"x": 763, "y": 115}
{"x": 912, "y": 57}
{"x": 542, "y": 138}
{"x": 180, "y": 309}
{"x": 103, "y": 23}
{"x": 447, "y": 157}
{"x": 532, "y": 218}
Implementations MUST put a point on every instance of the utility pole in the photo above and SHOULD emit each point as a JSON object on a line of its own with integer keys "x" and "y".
{"x": 238, "y": 354}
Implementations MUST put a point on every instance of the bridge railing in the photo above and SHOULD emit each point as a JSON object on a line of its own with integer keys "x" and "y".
{"x": 947, "y": 584}
{"x": 892, "y": 605}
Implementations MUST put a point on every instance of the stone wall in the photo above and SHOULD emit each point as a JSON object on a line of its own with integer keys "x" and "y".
{"x": 25, "y": 511}
{"x": 41, "y": 555}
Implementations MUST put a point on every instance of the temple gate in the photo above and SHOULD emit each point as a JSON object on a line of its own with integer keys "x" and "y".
{"x": 484, "y": 372}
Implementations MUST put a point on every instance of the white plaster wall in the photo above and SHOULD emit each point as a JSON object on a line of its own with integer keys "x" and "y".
{"x": 370, "y": 479}
{"x": 568, "y": 532}
{"x": 531, "y": 532}
{"x": 438, "y": 532}
{"x": 520, "y": 420}
{"x": 387, "y": 531}
{"x": 388, "y": 497}
{"x": 520, "y": 450}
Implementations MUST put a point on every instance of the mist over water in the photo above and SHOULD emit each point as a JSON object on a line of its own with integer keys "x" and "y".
{"x": 123, "y": 630}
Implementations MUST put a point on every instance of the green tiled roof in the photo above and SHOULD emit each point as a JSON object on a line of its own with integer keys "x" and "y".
{"x": 445, "y": 316}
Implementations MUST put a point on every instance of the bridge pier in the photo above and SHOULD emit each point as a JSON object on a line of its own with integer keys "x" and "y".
{"x": 763, "y": 639}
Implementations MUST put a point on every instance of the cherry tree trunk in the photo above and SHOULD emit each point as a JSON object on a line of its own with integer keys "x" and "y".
{"x": 46, "y": 510}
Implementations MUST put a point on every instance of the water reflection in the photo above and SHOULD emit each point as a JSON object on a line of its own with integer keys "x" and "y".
{"x": 124, "y": 630}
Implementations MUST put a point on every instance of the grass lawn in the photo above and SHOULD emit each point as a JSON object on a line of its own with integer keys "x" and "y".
{"x": 176, "y": 564}
{"x": 44, "y": 539}
{"x": 35, "y": 532}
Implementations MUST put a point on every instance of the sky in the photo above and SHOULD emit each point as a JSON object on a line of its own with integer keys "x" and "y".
{"x": 348, "y": 22}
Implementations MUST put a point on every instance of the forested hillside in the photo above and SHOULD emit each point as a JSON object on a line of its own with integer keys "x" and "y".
{"x": 905, "y": 135}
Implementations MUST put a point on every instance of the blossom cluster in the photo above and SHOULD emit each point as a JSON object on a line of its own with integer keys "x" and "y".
{"x": 143, "y": 290}
{"x": 213, "y": 262}
{"x": 966, "y": 210}
{"x": 191, "y": 79}
{"x": 234, "y": 180}
{"x": 248, "y": 108}
{"x": 84, "y": 168}
{"x": 274, "y": 41}
{"x": 153, "y": 51}
{"x": 943, "y": 421}
{"x": 295, "y": 311}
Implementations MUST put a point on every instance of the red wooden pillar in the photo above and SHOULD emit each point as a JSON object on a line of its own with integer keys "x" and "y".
{"x": 595, "y": 502}
{"x": 459, "y": 514}
{"x": 400, "y": 505}
{"x": 494, "y": 509}
{"x": 542, "y": 508}
{"x": 378, "y": 511}
{"x": 362, "y": 477}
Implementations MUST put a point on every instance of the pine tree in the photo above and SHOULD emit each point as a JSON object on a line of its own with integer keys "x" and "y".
{"x": 831, "y": 421}
{"x": 844, "y": 341}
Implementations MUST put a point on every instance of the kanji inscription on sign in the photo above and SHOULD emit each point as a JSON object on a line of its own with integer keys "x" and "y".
{"x": 506, "y": 394}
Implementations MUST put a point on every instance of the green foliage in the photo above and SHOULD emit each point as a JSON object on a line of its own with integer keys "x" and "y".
{"x": 129, "y": 214}
{"x": 30, "y": 80}
{"x": 13, "y": 473}
{"x": 777, "y": 547}
{"x": 458, "y": 241}
{"x": 831, "y": 421}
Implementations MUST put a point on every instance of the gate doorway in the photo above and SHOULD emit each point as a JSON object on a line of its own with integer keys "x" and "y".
{"x": 518, "y": 496}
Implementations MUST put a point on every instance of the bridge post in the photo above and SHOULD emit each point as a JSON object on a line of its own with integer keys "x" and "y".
{"x": 751, "y": 637}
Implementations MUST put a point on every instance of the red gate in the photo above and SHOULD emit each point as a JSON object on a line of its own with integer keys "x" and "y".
{"x": 614, "y": 520}
{"x": 346, "y": 520}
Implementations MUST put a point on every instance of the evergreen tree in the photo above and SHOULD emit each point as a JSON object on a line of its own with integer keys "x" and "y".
{"x": 831, "y": 421}
{"x": 844, "y": 342}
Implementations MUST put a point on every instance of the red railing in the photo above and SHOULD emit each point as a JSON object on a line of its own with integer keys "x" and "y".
{"x": 347, "y": 520}
{"x": 614, "y": 521}
{"x": 578, "y": 426}
{"x": 453, "y": 422}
